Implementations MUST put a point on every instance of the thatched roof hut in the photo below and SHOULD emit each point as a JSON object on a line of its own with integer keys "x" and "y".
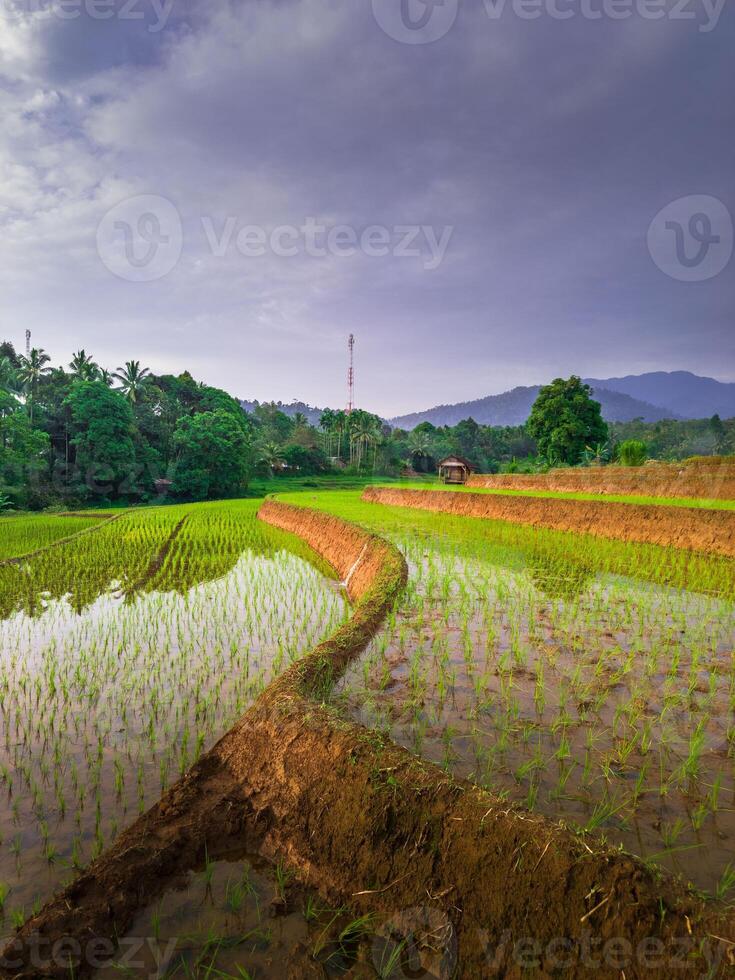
{"x": 455, "y": 469}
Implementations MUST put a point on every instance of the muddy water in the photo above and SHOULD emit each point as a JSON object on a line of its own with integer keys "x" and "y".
{"x": 102, "y": 708}
{"x": 245, "y": 918}
{"x": 597, "y": 699}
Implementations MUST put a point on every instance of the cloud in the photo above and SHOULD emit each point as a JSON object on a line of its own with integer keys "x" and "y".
{"x": 546, "y": 146}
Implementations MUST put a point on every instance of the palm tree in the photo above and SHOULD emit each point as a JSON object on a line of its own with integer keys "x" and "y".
{"x": 83, "y": 367}
{"x": 32, "y": 369}
{"x": 9, "y": 379}
{"x": 362, "y": 436}
{"x": 300, "y": 421}
{"x": 106, "y": 377}
{"x": 419, "y": 444}
{"x": 132, "y": 378}
{"x": 270, "y": 456}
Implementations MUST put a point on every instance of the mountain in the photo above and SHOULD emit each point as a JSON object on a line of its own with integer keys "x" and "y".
{"x": 681, "y": 392}
{"x": 513, "y": 408}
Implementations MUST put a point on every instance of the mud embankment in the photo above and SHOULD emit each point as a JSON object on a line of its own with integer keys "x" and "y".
{"x": 710, "y": 479}
{"x": 370, "y": 825}
{"x": 712, "y": 531}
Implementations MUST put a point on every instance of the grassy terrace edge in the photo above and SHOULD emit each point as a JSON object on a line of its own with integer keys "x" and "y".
{"x": 369, "y": 824}
{"x": 693, "y": 529}
{"x": 695, "y": 503}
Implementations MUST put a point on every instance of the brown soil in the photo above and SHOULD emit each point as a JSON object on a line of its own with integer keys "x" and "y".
{"x": 369, "y": 824}
{"x": 708, "y": 478}
{"x": 712, "y": 531}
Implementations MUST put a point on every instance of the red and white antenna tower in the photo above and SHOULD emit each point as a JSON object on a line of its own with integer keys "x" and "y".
{"x": 351, "y": 375}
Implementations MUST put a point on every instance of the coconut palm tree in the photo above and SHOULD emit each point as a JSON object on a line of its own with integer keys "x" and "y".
{"x": 419, "y": 445}
{"x": 9, "y": 379}
{"x": 361, "y": 438}
{"x": 83, "y": 367}
{"x": 32, "y": 369}
{"x": 132, "y": 379}
{"x": 300, "y": 421}
{"x": 270, "y": 456}
{"x": 106, "y": 377}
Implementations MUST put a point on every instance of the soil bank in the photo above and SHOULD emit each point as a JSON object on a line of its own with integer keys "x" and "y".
{"x": 709, "y": 478}
{"x": 679, "y": 527}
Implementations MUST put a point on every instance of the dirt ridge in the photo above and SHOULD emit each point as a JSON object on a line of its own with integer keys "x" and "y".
{"x": 711, "y": 478}
{"x": 693, "y": 528}
{"x": 366, "y": 822}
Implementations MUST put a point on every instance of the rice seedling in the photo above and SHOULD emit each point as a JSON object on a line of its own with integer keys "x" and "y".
{"x": 592, "y": 680}
{"x": 118, "y": 671}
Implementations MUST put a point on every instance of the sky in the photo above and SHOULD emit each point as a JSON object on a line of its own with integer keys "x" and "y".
{"x": 487, "y": 193}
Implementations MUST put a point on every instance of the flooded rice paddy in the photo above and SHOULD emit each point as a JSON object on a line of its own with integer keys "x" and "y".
{"x": 124, "y": 655}
{"x": 592, "y": 681}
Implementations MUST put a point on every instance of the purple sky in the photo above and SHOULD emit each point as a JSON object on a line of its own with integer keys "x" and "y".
{"x": 541, "y": 148}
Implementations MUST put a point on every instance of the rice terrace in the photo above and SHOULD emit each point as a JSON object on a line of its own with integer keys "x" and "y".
{"x": 337, "y": 698}
{"x": 367, "y": 490}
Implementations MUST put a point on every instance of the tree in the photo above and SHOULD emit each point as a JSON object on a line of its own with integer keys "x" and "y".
{"x": 7, "y": 350}
{"x": 564, "y": 420}
{"x": 212, "y": 456}
{"x": 132, "y": 378}
{"x": 22, "y": 450}
{"x": 32, "y": 369}
{"x": 271, "y": 457}
{"x": 102, "y": 433}
{"x": 82, "y": 366}
{"x": 9, "y": 380}
{"x": 305, "y": 460}
{"x": 632, "y": 452}
{"x": 718, "y": 432}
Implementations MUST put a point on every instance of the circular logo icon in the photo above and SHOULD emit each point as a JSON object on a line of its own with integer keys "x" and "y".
{"x": 415, "y": 21}
{"x": 692, "y": 239}
{"x": 140, "y": 239}
{"x": 416, "y": 943}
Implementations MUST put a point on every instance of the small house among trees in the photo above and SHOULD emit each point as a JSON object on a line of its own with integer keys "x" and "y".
{"x": 455, "y": 469}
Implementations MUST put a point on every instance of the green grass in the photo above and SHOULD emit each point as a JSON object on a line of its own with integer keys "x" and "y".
{"x": 24, "y": 533}
{"x": 616, "y": 498}
{"x": 513, "y": 544}
{"x": 260, "y": 487}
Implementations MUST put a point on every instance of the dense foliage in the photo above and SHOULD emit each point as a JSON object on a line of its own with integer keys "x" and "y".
{"x": 565, "y": 421}
{"x": 85, "y": 435}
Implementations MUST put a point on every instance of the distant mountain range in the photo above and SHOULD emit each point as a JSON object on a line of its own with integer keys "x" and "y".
{"x": 654, "y": 396}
